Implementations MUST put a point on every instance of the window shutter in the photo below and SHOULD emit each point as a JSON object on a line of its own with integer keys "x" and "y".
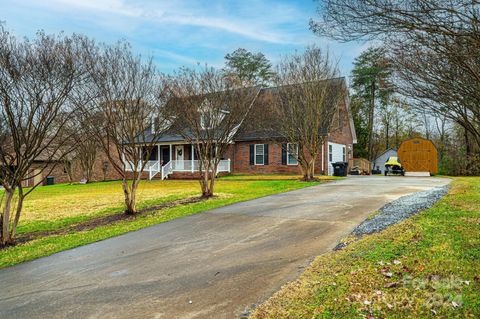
{"x": 284, "y": 154}
{"x": 265, "y": 154}
{"x": 252, "y": 154}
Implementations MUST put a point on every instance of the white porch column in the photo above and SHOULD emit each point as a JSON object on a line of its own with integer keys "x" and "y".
{"x": 323, "y": 158}
{"x": 193, "y": 157}
{"x": 170, "y": 151}
{"x": 158, "y": 153}
{"x": 140, "y": 155}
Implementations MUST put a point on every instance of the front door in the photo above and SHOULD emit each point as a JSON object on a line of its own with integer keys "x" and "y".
{"x": 165, "y": 154}
{"x": 179, "y": 152}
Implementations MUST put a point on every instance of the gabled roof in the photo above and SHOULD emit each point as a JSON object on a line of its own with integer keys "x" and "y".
{"x": 385, "y": 152}
{"x": 350, "y": 119}
{"x": 252, "y": 134}
{"x": 255, "y": 135}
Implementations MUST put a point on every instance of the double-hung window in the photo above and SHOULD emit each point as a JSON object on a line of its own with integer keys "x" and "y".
{"x": 259, "y": 154}
{"x": 330, "y": 153}
{"x": 344, "y": 154}
{"x": 292, "y": 154}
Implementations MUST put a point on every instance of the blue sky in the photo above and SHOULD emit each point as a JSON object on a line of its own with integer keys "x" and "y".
{"x": 181, "y": 32}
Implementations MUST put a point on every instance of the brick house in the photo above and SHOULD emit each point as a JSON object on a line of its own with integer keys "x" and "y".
{"x": 253, "y": 153}
{"x": 57, "y": 173}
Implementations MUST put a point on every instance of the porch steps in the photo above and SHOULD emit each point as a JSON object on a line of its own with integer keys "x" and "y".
{"x": 180, "y": 169}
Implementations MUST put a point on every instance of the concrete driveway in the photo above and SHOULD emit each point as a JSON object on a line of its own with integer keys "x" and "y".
{"x": 209, "y": 265}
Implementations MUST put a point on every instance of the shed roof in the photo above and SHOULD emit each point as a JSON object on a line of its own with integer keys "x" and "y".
{"x": 385, "y": 152}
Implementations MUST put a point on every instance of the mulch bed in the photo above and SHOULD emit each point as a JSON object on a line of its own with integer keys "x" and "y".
{"x": 104, "y": 220}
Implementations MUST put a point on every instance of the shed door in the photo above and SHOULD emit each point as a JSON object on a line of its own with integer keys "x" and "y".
{"x": 418, "y": 156}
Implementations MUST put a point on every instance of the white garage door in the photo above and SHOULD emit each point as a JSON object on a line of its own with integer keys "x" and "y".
{"x": 336, "y": 153}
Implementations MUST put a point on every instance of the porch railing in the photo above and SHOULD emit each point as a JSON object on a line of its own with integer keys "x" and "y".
{"x": 129, "y": 167}
{"x": 151, "y": 167}
{"x": 167, "y": 170}
{"x": 154, "y": 167}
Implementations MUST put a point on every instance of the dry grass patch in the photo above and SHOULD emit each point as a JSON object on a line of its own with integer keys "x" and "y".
{"x": 60, "y": 217}
{"x": 60, "y": 201}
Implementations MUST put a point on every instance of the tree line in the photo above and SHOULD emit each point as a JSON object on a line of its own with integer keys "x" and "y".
{"x": 428, "y": 56}
{"x": 65, "y": 96}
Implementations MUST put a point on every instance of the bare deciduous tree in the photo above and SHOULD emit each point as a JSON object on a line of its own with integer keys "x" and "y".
{"x": 87, "y": 151}
{"x": 433, "y": 44}
{"x": 36, "y": 78}
{"x": 347, "y": 20}
{"x": 210, "y": 110}
{"x": 439, "y": 86}
{"x": 85, "y": 143}
{"x": 121, "y": 96}
{"x": 306, "y": 105}
{"x": 68, "y": 166}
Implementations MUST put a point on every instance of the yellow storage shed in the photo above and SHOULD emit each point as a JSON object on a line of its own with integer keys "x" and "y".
{"x": 418, "y": 155}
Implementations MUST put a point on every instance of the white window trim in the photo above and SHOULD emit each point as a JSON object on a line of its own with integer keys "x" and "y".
{"x": 288, "y": 153}
{"x": 255, "y": 154}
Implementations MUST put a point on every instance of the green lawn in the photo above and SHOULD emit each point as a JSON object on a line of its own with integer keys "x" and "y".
{"x": 425, "y": 267}
{"x": 57, "y": 207}
{"x": 266, "y": 177}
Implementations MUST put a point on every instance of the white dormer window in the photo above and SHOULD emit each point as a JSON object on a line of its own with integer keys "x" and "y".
{"x": 210, "y": 117}
{"x": 204, "y": 120}
{"x": 159, "y": 125}
{"x": 152, "y": 121}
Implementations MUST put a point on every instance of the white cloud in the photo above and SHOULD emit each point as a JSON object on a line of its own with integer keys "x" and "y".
{"x": 257, "y": 27}
{"x": 175, "y": 56}
{"x": 106, "y": 6}
{"x": 228, "y": 26}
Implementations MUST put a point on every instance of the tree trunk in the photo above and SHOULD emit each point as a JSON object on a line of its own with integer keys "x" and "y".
{"x": 468, "y": 153}
{"x": 204, "y": 182}
{"x": 371, "y": 113}
{"x": 5, "y": 236}
{"x": 306, "y": 170}
{"x": 68, "y": 169}
{"x": 21, "y": 197}
{"x": 468, "y": 149}
{"x": 387, "y": 133}
{"x": 311, "y": 175}
{"x": 396, "y": 134}
{"x": 312, "y": 169}
{"x": 212, "y": 183}
{"x": 130, "y": 197}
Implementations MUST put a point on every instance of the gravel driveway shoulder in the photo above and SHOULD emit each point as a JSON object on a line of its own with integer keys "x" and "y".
{"x": 396, "y": 211}
{"x": 400, "y": 209}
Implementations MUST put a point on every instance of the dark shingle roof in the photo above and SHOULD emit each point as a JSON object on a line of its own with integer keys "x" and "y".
{"x": 243, "y": 134}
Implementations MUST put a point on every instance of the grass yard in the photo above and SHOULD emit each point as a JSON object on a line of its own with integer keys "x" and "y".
{"x": 273, "y": 177}
{"x": 61, "y": 207}
{"x": 425, "y": 267}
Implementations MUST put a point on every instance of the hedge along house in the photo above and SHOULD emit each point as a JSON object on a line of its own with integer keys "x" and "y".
{"x": 253, "y": 151}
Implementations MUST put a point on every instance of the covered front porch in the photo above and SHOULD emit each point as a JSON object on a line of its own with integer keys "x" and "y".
{"x": 166, "y": 159}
